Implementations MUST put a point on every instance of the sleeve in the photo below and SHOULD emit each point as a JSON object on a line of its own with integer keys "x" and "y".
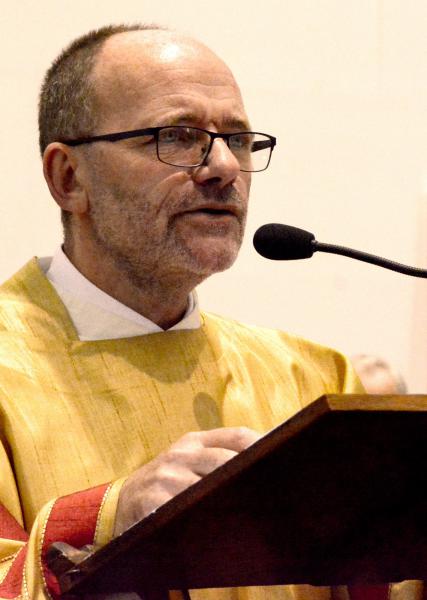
{"x": 85, "y": 517}
{"x": 337, "y": 372}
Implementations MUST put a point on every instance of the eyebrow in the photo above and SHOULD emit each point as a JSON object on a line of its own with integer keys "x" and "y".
{"x": 229, "y": 122}
{"x": 237, "y": 123}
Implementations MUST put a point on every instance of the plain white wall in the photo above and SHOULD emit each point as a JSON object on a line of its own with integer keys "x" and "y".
{"x": 343, "y": 85}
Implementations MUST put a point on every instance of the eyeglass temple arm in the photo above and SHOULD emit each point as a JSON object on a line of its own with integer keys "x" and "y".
{"x": 262, "y": 145}
{"x": 112, "y": 137}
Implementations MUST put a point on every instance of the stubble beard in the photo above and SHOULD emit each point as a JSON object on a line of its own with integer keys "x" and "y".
{"x": 169, "y": 259}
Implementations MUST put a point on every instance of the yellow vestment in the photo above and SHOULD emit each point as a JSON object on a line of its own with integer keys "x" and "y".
{"x": 75, "y": 415}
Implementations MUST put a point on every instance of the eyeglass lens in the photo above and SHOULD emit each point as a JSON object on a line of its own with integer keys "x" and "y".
{"x": 187, "y": 146}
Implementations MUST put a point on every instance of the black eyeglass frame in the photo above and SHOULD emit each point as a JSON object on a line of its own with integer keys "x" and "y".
{"x": 154, "y": 131}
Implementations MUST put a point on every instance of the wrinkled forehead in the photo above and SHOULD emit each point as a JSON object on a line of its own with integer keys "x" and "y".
{"x": 149, "y": 68}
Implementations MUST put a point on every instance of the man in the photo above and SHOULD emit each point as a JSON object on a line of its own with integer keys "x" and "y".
{"x": 109, "y": 372}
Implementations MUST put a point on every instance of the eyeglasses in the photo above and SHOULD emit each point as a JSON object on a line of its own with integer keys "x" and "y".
{"x": 183, "y": 146}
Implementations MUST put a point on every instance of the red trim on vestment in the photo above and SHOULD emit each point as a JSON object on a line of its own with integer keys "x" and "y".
{"x": 11, "y": 586}
{"x": 72, "y": 520}
{"x": 10, "y": 528}
{"x": 369, "y": 592}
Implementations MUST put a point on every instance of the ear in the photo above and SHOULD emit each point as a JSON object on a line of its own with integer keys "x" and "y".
{"x": 60, "y": 169}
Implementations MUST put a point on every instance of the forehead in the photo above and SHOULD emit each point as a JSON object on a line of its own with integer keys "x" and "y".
{"x": 145, "y": 78}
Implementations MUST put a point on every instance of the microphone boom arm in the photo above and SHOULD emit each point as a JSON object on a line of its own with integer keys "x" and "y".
{"x": 369, "y": 258}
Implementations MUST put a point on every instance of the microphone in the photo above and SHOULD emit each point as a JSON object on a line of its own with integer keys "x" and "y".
{"x": 284, "y": 242}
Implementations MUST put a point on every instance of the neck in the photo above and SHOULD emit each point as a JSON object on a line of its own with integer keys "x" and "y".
{"x": 159, "y": 298}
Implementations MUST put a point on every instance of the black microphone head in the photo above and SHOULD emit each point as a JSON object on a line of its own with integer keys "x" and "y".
{"x": 283, "y": 242}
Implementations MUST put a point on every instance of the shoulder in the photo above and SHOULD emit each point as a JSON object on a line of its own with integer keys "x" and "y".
{"x": 18, "y": 285}
{"x": 14, "y": 295}
{"x": 264, "y": 335}
{"x": 281, "y": 351}
{"x": 29, "y": 303}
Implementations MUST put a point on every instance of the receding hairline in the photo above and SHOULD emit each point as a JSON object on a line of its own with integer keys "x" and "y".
{"x": 149, "y": 49}
{"x": 154, "y": 37}
{"x": 153, "y": 42}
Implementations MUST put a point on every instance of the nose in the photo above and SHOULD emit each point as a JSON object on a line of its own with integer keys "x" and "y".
{"x": 221, "y": 167}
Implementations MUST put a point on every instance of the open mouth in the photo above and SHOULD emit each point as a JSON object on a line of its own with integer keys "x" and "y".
{"x": 214, "y": 211}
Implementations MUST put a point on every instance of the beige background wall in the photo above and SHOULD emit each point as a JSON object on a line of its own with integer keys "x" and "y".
{"x": 343, "y": 85}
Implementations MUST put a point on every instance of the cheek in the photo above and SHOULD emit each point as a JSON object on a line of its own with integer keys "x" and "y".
{"x": 165, "y": 191}
{"x": 147, "y": 173}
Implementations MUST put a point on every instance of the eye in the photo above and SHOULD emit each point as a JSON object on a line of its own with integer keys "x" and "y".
{"x": 241, "y": 141}
{"x": 169, "y": 135}
{"x": 177, "y": 135}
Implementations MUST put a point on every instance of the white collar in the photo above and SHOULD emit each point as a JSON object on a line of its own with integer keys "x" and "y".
{"x": 98, "y": 316}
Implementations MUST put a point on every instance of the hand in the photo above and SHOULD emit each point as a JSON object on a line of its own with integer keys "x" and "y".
{"x": 188, "y": 460}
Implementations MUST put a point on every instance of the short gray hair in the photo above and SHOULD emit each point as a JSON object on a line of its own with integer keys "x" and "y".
{"x": 68, "y": 105}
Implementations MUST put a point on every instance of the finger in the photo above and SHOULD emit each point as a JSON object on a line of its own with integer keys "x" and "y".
{"x": 231, "y": 438}
{"x": 199, "y": 461}
{"x": 182, "y": 468}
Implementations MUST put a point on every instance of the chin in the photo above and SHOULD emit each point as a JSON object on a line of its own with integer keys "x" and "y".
{"x": 213, "y": 261}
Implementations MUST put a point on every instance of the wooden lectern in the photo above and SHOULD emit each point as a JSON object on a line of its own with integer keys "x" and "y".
{"x": 336, "y": 495}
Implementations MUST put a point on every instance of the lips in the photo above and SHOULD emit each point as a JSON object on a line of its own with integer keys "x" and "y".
{"x": 213, "y": 211}
{"x": 216, "y": 210}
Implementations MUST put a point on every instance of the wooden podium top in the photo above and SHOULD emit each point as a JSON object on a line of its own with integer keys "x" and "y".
{"x": 334, "y": 495}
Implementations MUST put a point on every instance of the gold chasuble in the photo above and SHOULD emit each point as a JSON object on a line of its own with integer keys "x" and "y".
{"x": 78, "y": 417}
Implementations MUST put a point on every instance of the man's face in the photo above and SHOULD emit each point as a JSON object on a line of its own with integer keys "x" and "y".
{"x": 155, "y": 220}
